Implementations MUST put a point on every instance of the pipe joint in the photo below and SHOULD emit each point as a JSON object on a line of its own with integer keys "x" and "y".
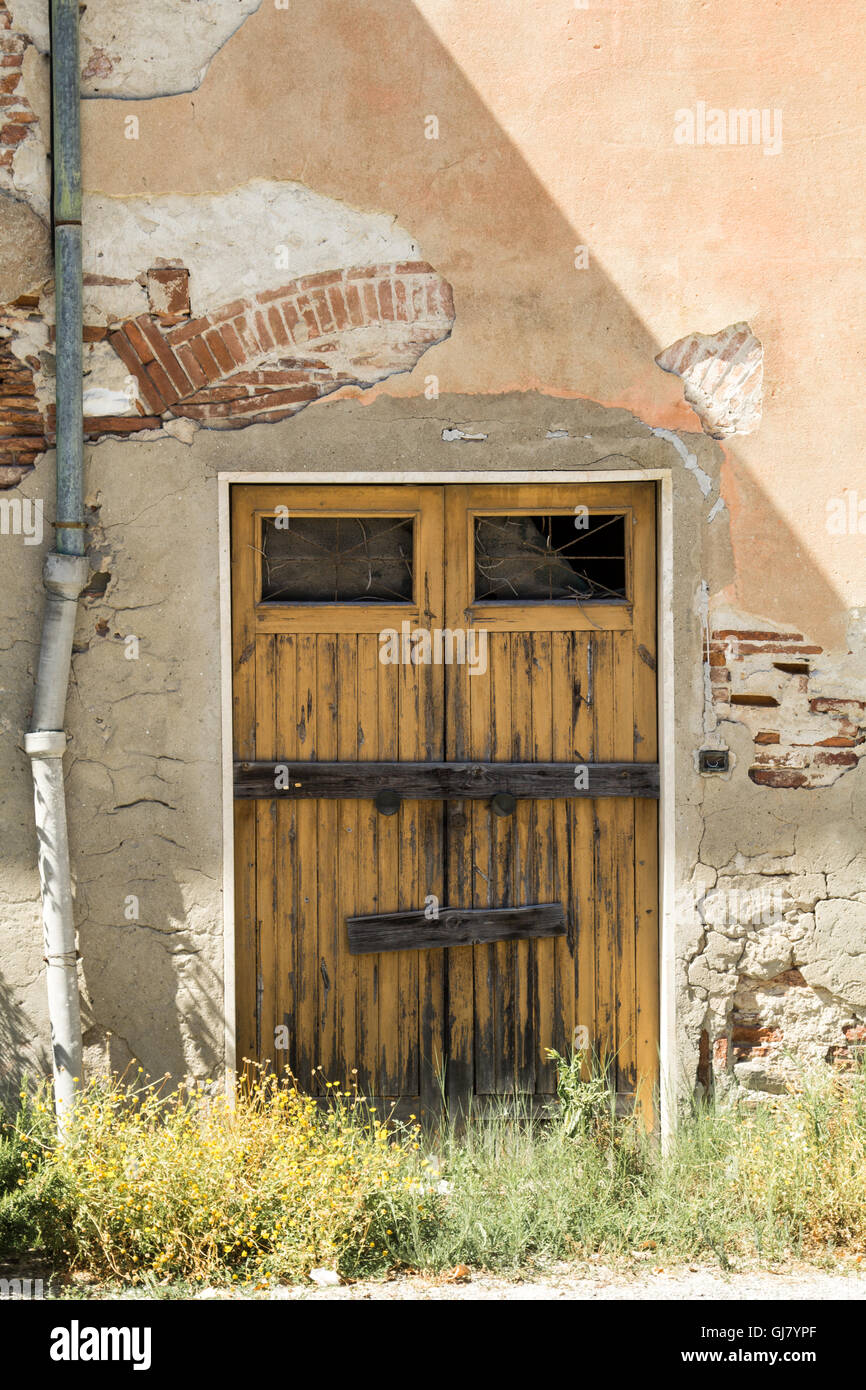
{"x": 45, "y": 743}
{"x": 65, "y": 575}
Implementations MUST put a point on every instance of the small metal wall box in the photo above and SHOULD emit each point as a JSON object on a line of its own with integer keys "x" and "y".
{"x": 713, "y": 760}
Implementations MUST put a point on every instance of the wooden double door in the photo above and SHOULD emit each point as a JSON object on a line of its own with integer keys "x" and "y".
{"x": 445, "y": 707}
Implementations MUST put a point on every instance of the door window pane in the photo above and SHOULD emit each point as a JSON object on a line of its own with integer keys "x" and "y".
{"x": 337, "y": 559}
{"x": 545, "y": 559}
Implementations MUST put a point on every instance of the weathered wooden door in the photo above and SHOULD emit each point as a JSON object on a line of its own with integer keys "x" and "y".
{"x": 488, "y": 652}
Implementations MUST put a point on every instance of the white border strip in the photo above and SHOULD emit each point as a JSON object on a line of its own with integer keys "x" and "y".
{"x": 665, "y": 703}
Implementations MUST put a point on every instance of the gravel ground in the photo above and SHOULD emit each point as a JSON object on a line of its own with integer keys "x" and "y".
{"x": 592, "y": 1283}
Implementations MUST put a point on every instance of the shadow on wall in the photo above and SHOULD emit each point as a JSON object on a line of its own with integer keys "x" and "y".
{"x": 351, "y": 126}
{"x": 19, "y": 1045}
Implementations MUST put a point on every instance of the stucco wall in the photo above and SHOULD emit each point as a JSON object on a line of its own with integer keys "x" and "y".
{"x": 526, "y": 155}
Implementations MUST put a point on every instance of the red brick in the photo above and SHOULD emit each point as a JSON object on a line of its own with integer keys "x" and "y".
{"x": 824, "y": 705}
{"x": 11, "y": 60}
{"x": 193, "y": 329}
{"x": 767, "y": 736}
{"x": 248, "y": 339}
{"x": 371, "y": 303}
{"x": 216, "y": 344}
{"x": 323, "y": 312}
{"x": 279, "y": 332}
{"x": 749, "y": 635}
{"x": 161, "y": 381}
{"x": 386, "y": 300}
{"x": 284, "y": 292}
{"x": 233, "y": 343}
{"x": 837, "y": 759}
{"x": 790, "y": 977}
{"x": 191, "y": 366}
{"x": 337, "y": 306}
{"x": 353, "y": 306}
{"x": 150, "y": 395}
{"x": 717, "y": 658}
{"x": 229, "y": 311}
{"x": 138, "y": 340}
{"x": 315, "y": 282}
{"x": 164, "y": 356}
{"x": 401, "y": 310}
{"x": 446, "y": 299}
{"x": 777, "y": 777}
{"x": 262, "y": 332}
{"x": 168, "y": 292}
{"x": 413, "y": 268}
{"x": 418, "y": 292}
{"x": 742, "y": 1033}
{"x": 205, "y": 359}
{"x": 308, "y": 314}
{"x": 292, "y": 318}
{"x": 13, "y": 134}
{"x": 213, "y": 394}
{"x": 253, "y": 405}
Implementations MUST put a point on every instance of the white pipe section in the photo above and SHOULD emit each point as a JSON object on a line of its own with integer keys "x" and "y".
{"x": 65, "y": 576}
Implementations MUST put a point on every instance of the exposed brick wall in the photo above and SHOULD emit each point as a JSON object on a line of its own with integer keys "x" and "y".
{"x": 767, "y": 1025}
{"x": 256, "y": 359}
{"x": 268, "y": 356}
{"x": 765, "y": 680}
{"x": 22, "y": 428}
{"x": 16, "y": 114}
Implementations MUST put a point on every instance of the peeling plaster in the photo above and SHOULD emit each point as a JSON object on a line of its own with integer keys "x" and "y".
{"x": 119, "y": 57}
{"x": 722, "y": 375}
{"x": 704, "y": 481}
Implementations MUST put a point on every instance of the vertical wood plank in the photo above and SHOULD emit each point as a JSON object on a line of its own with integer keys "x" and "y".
{"x": 501, "y": 863}
{"x": 527, "y": 662}
{"x": 606, "y": 867}
{"x": 347, "y": 862}
{"x": 389, "y": 833}
{"x": 286, "y": 856}
{"x": 367, "y": 966}
{"x": 306, "y": 939}
{"x": 328, "y": 857}
{"x": 266, "y": 830}
{"x": 565, "y": 698}
{"x": 549, "y": 671}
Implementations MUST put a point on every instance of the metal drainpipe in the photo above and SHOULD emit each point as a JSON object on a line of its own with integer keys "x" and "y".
{"x": 65, "y": 572}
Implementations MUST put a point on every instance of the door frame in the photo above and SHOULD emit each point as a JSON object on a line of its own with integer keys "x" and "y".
{"x": 662, "y": 477}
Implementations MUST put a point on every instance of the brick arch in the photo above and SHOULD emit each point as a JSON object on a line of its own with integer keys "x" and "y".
{"x": 267, "y": 356}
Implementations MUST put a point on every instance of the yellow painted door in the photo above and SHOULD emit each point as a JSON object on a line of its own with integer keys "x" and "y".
{"x": 321, "y": 575}
{"x": 569, "y": 681}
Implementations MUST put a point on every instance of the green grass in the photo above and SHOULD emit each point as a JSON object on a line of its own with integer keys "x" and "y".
{"x": 185, "y": 1190}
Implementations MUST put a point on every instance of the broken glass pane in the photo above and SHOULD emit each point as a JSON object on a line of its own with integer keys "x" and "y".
{"x": 544, "y": 559}
{"x": 337, "y": 559}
